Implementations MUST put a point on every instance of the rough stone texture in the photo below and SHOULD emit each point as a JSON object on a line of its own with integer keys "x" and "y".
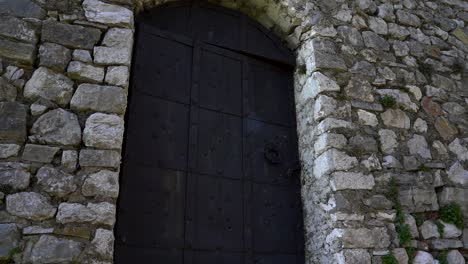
{"x": 99, "y": 158}
{"x": 54, "y": 56}
{"x": 8, "y": 92}
{"x": 50, "y": 249}
{"x": 56, "y": 127}
{"x": 49, "y": 85}
{"x": 388, "y": 141}
{"x": 396, "y": 118}
{"x": 419, "y": 200}
{"x": 332, "y": 160}
{"x": 103, "y": 243}
{"x": 103, "y": 131}
{"x": 29, "y": 205}
{"x": 85, "y": 72}
{"x": 366, "y": 238}
{"x": 455, "y": 257}
{"x": 69, "y": 159}
{"x": 101, "y": 12}
{"x": 418, "y": 146}
{"x": 9, "y": 239}
{"x": 352, "y": 181}
{"x": 9, "y": 150}
{"x": 116, "y": 47}
{"x": 14, "y": 175}
{"x": 16, "y": 51}
{"x": 12, "y": 122}
{"x": 354, "y": 256}
{"x": 72, "y": 36}
{"x": 429, "y": 230}
{"x": 422, "y": 257}
{"x": 55, "y": 181}
{"x": 39, "y": 153}
{"x": 97, "y": 98}
{"x": 457, "y": 174}
{"x": 103, "y": 183}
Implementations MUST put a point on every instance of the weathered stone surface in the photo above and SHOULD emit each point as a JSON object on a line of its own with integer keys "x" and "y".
{"x": 55, "y": 181}
{"x": 378, "y": 25}
{"x": 363, "y": 144}
{"x": 325, "y": 60}
{"x": 12, "y": 122}
{"x": 457, "y": 195}
{"x": 397, "y": 31}
{"x": 430, "y": 107}
{"x": 57, "y": 127}
{"x": 351, "y": 181}
{"x": 367, "y": 118}
{"x": 72, "y": 36}
{"x": 365, "y": 238}
{"x": 105, "y": 213}
{"x": 417, "y": 145}
{"x": 316, "y": 84}
{"x": 16, "y": 51}
{"x": 359, "y": 89}
{"x": 406, "y": 18}
{"x": 351, "y": 36}
{"x": 74, "y": 213}
{"x": 103, "y": 183}
{"x": 7, "y": 91}
{"x": 457, "y": 174}
{"x": 85, "y": 72}
{"x": 30, "y": 205}
{"x": 441, "y": 244}
{"x": 82, "y": 55}
{"x": 411, "y": 163}
{"x": 69, "y": 160}
{"x": 103, "y": 243}
{"x": 39, "y": 153}
{"x": 419, "y": 200}
{"x": 450, "y": 230}
{"x": 396, "y": 118}
{"x": 458, "y": 149}
{"x": 329, "y": 124}
{"x": 104, "y": 131}
{"x": 15, "y": 28}
{"x": 50, "y": 249}
{"x": 429, "y": 230}
{"x": 329, "y": 140}
{"x": 54, "y": 56}
{"x": 49, "y": 85}
{"x": 107, "y": 99}
{"x": 354, "y": 256}
{"x": 9, "y": 239}
{"x": 99, "y": 158}
{"x": 109, "y": 14}
{"x": 446, "y": 130}
{"x": 9, "y": 150}
{"x": 420, "y": 126}
{"x": 374, "y": 41}
{"x": 333, "y": 160}
{"x": 391, "y": 162}
{"x": 37, "y": 230}
{"x": 22, "y": 8}
{"x": 423, "y": 258}
{"x": 117, "y": 75}
{"x": 401, "y": 255}
{"x": 385, "y": 11}
{"x": 455, "y": 257}
{"x": 14, "y": 175}
{"x": 116, "y": 47}
{"x": 379, "y": 202}
{"x": 388, "y": 141}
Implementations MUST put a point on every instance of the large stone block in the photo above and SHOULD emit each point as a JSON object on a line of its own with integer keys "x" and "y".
{"x": 84, "y": 72}
{"x": 351, "y": 181}
{"x": 97, "y": 98}
{"x": 9, "y": 239}
{"x": 104, "y": 131}
{"x": 8, "y": 92}
{"x": 97, "y": 213}
{"x": 109, "y": 14}
{"x": 12, "y": 122}
{"x": 457, "y": 195}
{"x": 376, "y": 237}
{"x": 55, "y": 181}
{"x": 30, "y": 205}
{"x": 103, "y": 243}
{"x": 99, "y": 158}
{"x": 16, "y": 51}
{"x": 50, "y": 249}
{"x": 54, "y": 56}
{"x": 333, "y": 160}
{"x": 14, "y": 175}
{"x": 9, "y": 150}
{"x": 56, "y": 127}
{"x": 15, "y": 28}
{"x": 49, "y": 85}
{"x": 72, "y": 36}
{"x": 39, "y": 153}
{"x": 396, "y": 118}
{"x": 22, "y": 8}
{"x": 417, "y": 200}
{"x": 103, "y": 183}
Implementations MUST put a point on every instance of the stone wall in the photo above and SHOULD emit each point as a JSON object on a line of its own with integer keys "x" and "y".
{"x": 381, "y": 99}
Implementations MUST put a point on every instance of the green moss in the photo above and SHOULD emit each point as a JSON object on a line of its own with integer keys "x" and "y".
{"x": 388, "y": 101}
{"x": 404, "y": 234}
{"x": 11, "y": 254}
{"x": 452, "y": 213}
{"x": 442, "y": 258}
{"x": 440, "y": 228}
{"x": 389, "y": 259}
{"x": 419, "y": 219}
{"x": 411, "y": 253}
{"x": 424, "y": 168}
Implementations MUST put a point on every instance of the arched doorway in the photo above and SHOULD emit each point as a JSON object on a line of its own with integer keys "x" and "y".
{"x": 210, "y": 171}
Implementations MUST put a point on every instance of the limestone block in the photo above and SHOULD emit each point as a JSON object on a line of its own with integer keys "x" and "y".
{"x": 30, "y": 205}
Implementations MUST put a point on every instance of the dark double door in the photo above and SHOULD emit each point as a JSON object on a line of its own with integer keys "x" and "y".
{"x": 210, "y": 171}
